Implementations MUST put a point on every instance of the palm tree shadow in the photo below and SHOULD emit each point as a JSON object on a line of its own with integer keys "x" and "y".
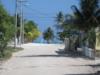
{"x": 72, "y": 54}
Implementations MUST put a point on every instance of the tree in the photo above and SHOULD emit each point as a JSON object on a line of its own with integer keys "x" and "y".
{"x": 64, "y": 25}
{"x": 61, "y": 34}
{"x": 59, "y": 20}
{"x": 87, "y": 18}
{"x": 31, "y": 31}
{"x": 48, "y": 35}
{"x": 6, "y": 29}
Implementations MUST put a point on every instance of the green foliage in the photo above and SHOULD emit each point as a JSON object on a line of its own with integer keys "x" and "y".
{"x": 6, "y": 28}
{"x": 92, "y": 38}
{"x": 87, "y": 16}
{"x": 64, "y": 25}
{"x": 31, "y": 31}
{"x": 29, "y": 26}
{"x": 63, "y": 34}
{"x": 59, "y": 20}
{"x": 48, "y": 35}
{"x": 60, "y": 17}
{"x": 8, "y": 52}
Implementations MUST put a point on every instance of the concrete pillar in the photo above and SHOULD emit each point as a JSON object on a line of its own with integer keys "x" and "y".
{"x": 67, "y": 42}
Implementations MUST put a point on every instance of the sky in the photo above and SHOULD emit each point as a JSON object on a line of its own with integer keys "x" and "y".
{"x": 42, "y": 12}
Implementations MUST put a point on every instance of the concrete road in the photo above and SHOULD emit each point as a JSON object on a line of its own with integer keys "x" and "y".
{"x": 42, "y": 59}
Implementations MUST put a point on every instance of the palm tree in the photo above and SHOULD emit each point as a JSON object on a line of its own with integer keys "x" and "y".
{"x": 48, "y": 35}
{"x": 62, "y": 26}
{"x": 59, "y": 20}
{"x": 87, "y": 17}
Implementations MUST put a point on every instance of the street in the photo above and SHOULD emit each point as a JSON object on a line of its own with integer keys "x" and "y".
{"x": 42, "y": 59}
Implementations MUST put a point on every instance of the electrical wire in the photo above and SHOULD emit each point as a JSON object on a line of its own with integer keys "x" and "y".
{"x": 43, "y": 15}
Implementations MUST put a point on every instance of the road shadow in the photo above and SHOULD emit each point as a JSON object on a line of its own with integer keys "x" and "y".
{"x": 79, "y": 74}
{"x": 95, "y": 65}
{"x": 44, "y": 55}
{"x": 59, "y": 53}
{"x": 72, "y": 54}
{"x": 98, "y": 73}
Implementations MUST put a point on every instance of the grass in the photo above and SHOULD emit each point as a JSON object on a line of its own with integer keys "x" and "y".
{"x": 8, "y": 52}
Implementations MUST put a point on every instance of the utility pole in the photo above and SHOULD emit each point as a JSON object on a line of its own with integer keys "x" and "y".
{"x": 16, "y": 12}
{"x": 21, "y": 21}
{"x": 23, "y": 28}
{"x": 19, "y": 9}
{"x": 22, "y": 25}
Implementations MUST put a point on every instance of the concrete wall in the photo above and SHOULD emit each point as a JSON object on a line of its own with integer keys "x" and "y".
{"x": 97, "y": 41}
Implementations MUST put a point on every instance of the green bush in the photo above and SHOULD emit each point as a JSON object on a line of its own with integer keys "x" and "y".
{"x": 7, "y": 53}
{"x": 6, "y": 29}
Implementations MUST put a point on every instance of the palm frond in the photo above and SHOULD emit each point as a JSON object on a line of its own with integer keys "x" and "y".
{"x": 76, "y": 11}
{"x": 97, "y": 12}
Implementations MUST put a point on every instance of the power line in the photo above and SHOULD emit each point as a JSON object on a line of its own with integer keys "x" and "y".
{"x": 30, "y": 14}
{"x": 44, "y": 15}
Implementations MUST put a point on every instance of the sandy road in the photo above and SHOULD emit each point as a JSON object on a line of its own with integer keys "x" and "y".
{"x": 42, "y": 59}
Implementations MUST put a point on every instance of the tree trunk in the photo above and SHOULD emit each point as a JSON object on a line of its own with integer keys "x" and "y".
{"x": 74, "y": 43}
{"x": 67, "y": 44}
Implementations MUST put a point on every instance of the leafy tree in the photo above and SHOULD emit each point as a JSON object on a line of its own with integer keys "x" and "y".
{"x": 6, "y": 29}
{"x": 48, "y": 35}
{"x": 31, "y": 31}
